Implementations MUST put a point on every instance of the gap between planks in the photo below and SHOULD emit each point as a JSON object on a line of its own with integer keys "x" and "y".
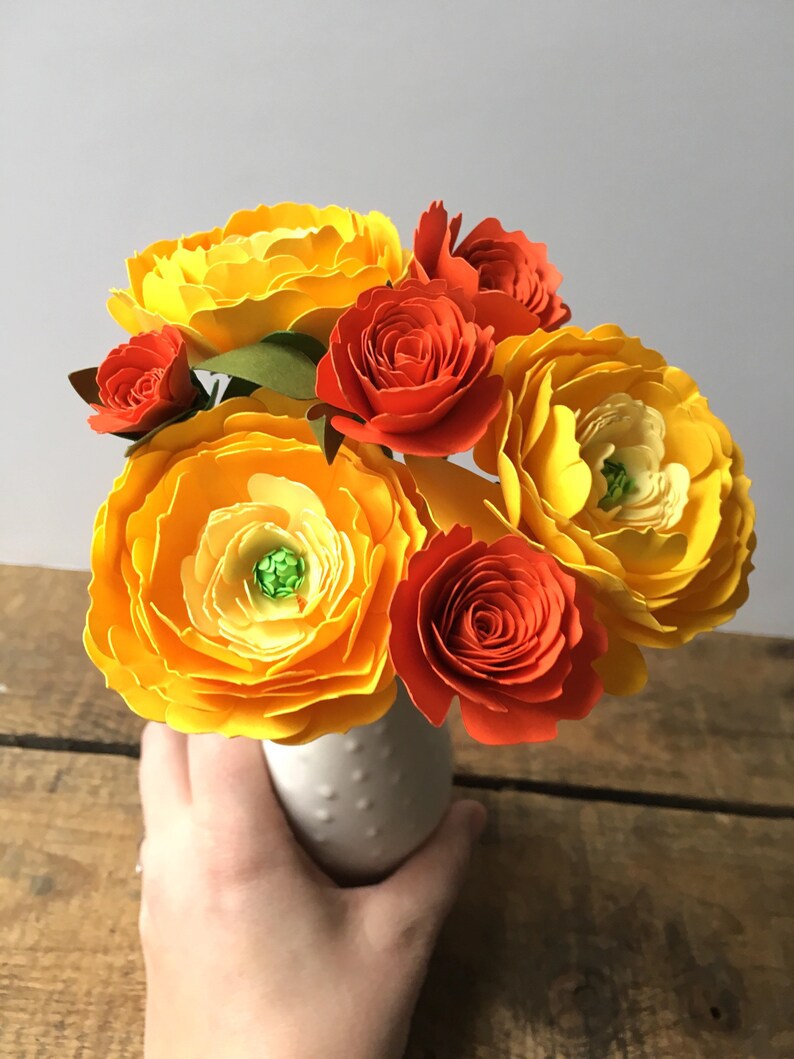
{"x": 577, "y": 792}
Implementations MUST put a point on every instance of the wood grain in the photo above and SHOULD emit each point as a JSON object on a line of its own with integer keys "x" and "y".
{"x": 50, "y": 687}
{"x": 585, "y": 931}
{"x": 71, "y": 981}
{"x": 712, "y": 722}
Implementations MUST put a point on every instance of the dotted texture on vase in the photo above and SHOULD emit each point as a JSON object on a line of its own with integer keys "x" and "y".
{"x": 362, "y": 802}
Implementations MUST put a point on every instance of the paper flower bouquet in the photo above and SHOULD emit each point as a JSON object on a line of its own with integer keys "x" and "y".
{"x": 288, "y": 537}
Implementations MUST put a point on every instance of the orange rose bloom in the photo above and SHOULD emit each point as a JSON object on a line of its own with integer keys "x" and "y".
{"x": 510, "y": 280}
{"x": 242, "y": 586}
{"x": 143, "y": 383}
{"x": 502, "y": 628}
{"x": 413, "y": 364}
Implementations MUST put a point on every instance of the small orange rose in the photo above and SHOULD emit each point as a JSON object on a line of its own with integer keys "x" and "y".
{"x": 510, "y": 280}
{"x": 414, "y": 366}
{"x": 143, "y": 383}
{"x": 501, "y": 626}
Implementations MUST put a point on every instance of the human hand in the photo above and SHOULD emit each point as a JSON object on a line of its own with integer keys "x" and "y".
{"x": 250, "y": 950}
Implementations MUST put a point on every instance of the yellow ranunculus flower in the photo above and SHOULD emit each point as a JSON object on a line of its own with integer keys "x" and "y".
{"x": 242, "y": 586}
{"x": 611, "y": 460}
{"x": 269, "y": 269}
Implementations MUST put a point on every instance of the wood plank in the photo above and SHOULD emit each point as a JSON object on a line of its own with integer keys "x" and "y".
{"x": 585, "y": 930}
{"x": 71, "y": 979}
{"x": 49, "y": 686}
{"x": 595, "y": 931}
{"x": 712, "y": 723}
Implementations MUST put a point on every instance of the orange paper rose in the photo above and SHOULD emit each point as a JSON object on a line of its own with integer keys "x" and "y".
{"x": 241, "y": 586}
{"x": 501, "y": 626}
{"x": 413, "y": 365}
{"x": 143, "y": 383}
{"x": 510, "y": 280}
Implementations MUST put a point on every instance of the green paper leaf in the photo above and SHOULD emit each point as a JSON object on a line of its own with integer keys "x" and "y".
{"x": 277, "y": 365}
{"x": 85, "y": 385}
{"x": 239, "y": 388}
{"x": 205, "y": 387}
{"x": 204, "y": 401}
{"x": 328, "y": 437}
{"x": 314, "y": 349}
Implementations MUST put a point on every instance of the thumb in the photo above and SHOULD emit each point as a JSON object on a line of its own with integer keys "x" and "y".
{"x": 425, "y": 888}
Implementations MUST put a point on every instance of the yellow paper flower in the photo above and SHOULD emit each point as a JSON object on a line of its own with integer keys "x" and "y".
{"x": 242, "y": 586}
{"x": 611, "y": 460}
{"x": 273, "y": 268}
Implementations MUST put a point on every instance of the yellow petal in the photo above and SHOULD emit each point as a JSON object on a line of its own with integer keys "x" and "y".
{"x": 455, "y": 494}
{"x": 622, "y": 669}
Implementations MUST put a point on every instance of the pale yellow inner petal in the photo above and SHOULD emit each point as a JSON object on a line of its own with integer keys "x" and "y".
{"x": 220, "y": 591}
{"x": 631, "y": 432}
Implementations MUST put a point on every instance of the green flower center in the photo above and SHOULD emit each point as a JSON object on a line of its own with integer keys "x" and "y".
{"x": 280, "y": 573}
{"x": 618, "y": 484}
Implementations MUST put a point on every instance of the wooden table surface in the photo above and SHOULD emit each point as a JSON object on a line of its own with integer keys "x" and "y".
{"x": 632, "y": 896}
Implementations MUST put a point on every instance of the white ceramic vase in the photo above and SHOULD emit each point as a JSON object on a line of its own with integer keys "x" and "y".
{"x": 362, "y": 802}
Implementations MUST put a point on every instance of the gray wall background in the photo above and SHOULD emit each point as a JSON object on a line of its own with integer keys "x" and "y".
{"x": 649, "y": 143}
